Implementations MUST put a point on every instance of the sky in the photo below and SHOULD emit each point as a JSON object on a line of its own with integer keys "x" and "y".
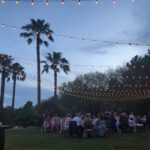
{"x": 125, "y": 22}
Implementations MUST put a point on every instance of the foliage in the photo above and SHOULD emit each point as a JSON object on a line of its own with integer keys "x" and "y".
{"x": 6, "y": 116}
{"x": 51, "y": 106}
{"x": 5, "y": 63}
{"x": 38, "y": 30}
{"x": 56, "y": 62}
{"x": 133, "y": 76}
{"x": 26, "y": 116}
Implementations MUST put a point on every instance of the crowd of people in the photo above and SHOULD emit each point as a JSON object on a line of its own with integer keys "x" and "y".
{"x": 88, "y": 125}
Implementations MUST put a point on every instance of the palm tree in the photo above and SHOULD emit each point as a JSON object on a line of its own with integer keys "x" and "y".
{"x": 5, "y": 63}
{"x": 35, "y": 30}
{"x": 56, "y": 63}
{"x": 18, "y": 73}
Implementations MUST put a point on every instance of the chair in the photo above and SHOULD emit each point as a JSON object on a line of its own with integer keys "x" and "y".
{"x": 72, "y": 128}
{"x": 88, "y": 129}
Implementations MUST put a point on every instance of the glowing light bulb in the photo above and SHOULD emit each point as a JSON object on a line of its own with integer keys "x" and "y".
{"x": 47, "y": 3}
{"x": 17, "y": 1}
{"x": 96, "y": 1}
{"x": 62, "y": 2}
{"x": 3, "y": 1}
{"x": 79, "y": 2}
{"x": 114, "y": 1}
{"x": 32, "y": 2}
{"x": 2, "y": 25}
{"x": 14, "y": 28}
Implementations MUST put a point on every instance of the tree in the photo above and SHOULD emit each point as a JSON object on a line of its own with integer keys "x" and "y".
{"x": 18, "y": 73}
{"x": 5, "y": 63}
{"x": 35, "y": 30}
{"x": 26, "y": 116}
{"x": 55, "y": 62}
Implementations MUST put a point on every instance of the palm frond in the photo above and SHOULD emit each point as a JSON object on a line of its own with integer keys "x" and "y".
{"x": 64, "y": 61}
{"x": 46, "y": 43}
{"x": 29, "y": 41}
{"x": 43, "y": 62}
{"x": 26, "y": 34}
{"x": 57, "y": 57}
{"x": 49, "y": 58}
{"x": 66, "y": 68}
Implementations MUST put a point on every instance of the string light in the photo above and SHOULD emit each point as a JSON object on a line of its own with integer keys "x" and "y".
{"x": 79, "y": 2}
{"x": 14, "y": 28}
{"x": 85, "y": 39}
{"x": 32, "y": 2}
{"x": 123, "y": 96}
{"x": 47, "y": 2}
{"x": 3, "y": 1}
{"x": 97, "y": 1}
{"x": 17, "y": 1}
{"x": 114, "y": 1}
{"x": 62, "y": 2}
{"x": 2, "y": 25}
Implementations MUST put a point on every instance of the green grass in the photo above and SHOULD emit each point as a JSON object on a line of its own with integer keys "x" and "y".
{"x": 32, "y": 139}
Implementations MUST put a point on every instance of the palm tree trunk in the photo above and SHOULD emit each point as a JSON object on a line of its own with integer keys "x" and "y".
{"x": 2, "y": 90}
{"x": 14, "y": 91}
{"x": 38, "y": 70}
{"x": 55, "y": 85}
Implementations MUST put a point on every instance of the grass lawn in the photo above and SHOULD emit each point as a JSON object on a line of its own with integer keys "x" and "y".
{"x": 32, "y": 139}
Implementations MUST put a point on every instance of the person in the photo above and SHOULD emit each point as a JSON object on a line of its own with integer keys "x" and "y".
{"x": 144, "y": 120}
{"x": 79, "y": 129}
{"x": 65, "y": 123}
{"x": 123, "y": 122}
{"x": 88, "y": 126}
{"x": 95, "y": 119}
{"x": 56, "y": 123}
{"x": 47, "y": 124}
{"x": 100, "y": 127}
{"x": 132, "y": 122}
{"x": 113, "y": 122}
{"x": 117, "y": 118}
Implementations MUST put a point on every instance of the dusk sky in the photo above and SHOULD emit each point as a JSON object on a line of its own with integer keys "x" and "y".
{"x": 125, "y": 21}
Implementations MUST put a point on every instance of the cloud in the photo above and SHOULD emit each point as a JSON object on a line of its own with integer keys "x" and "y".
{"x": 98, "y": 48}
{"x": 142, "y": 18}
{"x": 24, "y": 93}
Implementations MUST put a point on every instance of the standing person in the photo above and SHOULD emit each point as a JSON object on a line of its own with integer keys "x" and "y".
{"x": 124, "y": 122}
{"x": 113, "y": 122}
{"x": 56, "y": 122}
{"x": 117, "y": 117}
{"x": 47, "y": 124}
{"x": 132, "y": 122}
{"x": 65, "y": 123}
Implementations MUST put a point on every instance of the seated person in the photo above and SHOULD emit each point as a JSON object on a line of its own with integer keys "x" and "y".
{"x": 100, "y": 127}
{"x": 88, "y": 126}
{"x": 79, "y": 128}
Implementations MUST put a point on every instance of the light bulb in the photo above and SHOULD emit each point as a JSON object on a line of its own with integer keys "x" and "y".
{"x": 17, "y": 1}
